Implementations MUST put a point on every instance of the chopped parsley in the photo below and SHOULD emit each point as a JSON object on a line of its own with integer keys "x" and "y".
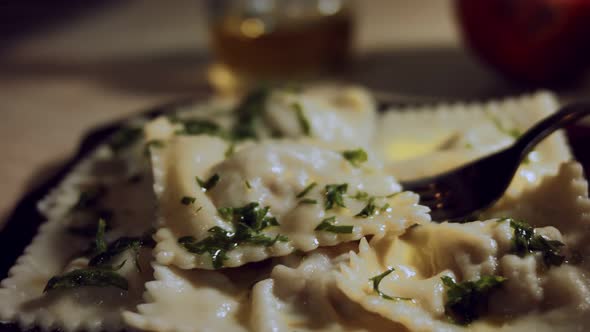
{"x": 468, "y": 300}
{"x": 200, "y": 127}
{"x": 97, "y": 277}
{"x": 120, "y": 245}
{"x": 303, "y": 122}
{"x": 248, "y": 113}
{"x": 361, "y": 196}
{"x": 355, "y": 157}
{"x": 308, "y": 201}
{"x": 187, "y": 200}
{"x": 230, "y": 150}
{"x": 364, "y": 196}
{"x": 249, "y": 221}
{"x": 306, "y": 190}
{"x": 124, "y": 138}
{"x": 514, "y": 133}
{"x": 100, "y": 244}
{"x": 525, "y": 241}
{"x": 328, "y": 226}
{"x": 99, "y": 273}
{"x": 221, "y": 241}
{"x": 248, "y": 185}
{"x": 85, "y": 224}
{"x": 334, "y": 195}
{"x": 377, "y": 280}
{"x": 226, "y": 213}
{"x": 251, "y": 214}
{"x": 210, "y": 183}
{"x": 369, "y": 210}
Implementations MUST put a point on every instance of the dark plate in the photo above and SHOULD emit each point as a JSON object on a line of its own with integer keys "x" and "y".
{"x": 24, "y": 220}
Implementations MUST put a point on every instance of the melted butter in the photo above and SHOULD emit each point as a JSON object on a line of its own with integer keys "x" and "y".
{"x": 405, "y": 149}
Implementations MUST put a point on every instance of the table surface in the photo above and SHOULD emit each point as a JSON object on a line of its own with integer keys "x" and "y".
{"x": 120, "y": 58}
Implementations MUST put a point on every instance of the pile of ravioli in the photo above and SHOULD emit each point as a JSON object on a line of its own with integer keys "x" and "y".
{"x": 283, "y": 212}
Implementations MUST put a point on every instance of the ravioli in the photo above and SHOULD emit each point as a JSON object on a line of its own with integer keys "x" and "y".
{"x": 95, "y": 189}
{"x": 451, "y": 135}
{"x": 267, "y": 180}
{"x": 535, "y": 292}
{"x": 296, "y": 292}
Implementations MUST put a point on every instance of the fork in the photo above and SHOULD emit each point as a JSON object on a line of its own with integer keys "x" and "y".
{"x": 461, "y": 193}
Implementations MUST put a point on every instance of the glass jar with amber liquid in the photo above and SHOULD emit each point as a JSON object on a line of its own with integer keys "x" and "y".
{"x": 277, "y": 41}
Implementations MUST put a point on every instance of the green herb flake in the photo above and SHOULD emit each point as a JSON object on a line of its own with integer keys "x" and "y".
{"x": 230, "y": 150}
{"x": 96, "y": 277}
{"x": 306, "y": 190}
{"x": 369, "y": 210}
{"x": 393, "y": 195}
{"x": 308, "y": 201}
{"x": 210, "y": 183}
{"x": 334, "y": 195}
{"x": 376, "y": 280}
{"x": 249, "y": 221}
{"x": 361, "y": 196}
{"x": 99, "y": 273}
{"x": 468, "y": 300}
{"x": 248, "y": 113}
{"x": 119, "y": 246}
{"x": 327, "y": 225}
{"x": 525, "y": 241}
{"x": 100, "y": 244}
{"x": 251, "y": 214}
{"x": 226, "y": 213}
{"x": 355, "y": 157}
{"x": 248, "y": 185}
{"x": 187, "y": 200}
{"x": 303, "y": 122}
{"x": 512, "y": 132}
{"x": 221, "y": 241}
{"x": 124, "y": 138}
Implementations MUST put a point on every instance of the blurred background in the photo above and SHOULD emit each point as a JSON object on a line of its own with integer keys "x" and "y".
{"x": 66, "y": 66}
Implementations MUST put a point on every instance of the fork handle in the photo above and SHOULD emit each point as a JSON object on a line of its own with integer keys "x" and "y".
{"x": 566, "y": 115}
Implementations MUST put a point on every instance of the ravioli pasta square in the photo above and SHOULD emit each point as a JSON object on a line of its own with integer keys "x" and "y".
{"x": 429, "y": 140}
{"x": 95, "y": 189}
{"x": 296, "y": 292}
{"x": 539, "y": 290}
{"x": 268, "y": 199}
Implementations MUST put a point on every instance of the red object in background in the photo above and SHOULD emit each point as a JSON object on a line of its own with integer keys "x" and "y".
{"x": 533, "y": 41}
